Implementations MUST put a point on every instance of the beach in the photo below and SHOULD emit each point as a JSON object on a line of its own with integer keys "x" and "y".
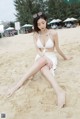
{"x": 36, "y": 99}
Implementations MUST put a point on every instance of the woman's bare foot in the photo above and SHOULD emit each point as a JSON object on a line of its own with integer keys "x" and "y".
{"x": 10, "y": 92}
{"x": 61, "y": 99}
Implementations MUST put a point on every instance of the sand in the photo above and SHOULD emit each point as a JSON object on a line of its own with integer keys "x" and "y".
{"x": 36, "y": 99}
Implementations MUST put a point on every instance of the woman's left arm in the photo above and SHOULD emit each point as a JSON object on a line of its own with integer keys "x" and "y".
{"x": 57, "y": 46}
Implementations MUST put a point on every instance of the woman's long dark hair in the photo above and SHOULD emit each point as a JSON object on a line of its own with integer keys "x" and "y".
{"x": 43, "y": 16}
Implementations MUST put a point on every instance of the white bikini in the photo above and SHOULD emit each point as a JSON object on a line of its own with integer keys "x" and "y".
{"x": 50, "y": 55}
{"x": 49, "y": 44}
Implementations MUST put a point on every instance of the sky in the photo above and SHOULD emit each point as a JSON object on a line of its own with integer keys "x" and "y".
{"x": 7, "y": 10}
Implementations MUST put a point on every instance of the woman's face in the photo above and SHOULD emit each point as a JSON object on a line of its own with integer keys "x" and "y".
{"x": 41, "y": 23}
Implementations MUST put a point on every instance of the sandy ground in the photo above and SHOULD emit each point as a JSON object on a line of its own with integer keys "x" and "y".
{"x": 37, "y": 99}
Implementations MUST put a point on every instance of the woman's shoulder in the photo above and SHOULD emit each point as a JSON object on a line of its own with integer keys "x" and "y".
{"x": 35, "y": 34}
{"x": 53, "y": 32}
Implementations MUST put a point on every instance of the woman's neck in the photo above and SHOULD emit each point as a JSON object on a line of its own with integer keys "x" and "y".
{"x": 43, "y": 32}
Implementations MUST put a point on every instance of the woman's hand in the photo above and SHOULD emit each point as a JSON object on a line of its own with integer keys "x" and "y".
{"x": 10, "y": 92}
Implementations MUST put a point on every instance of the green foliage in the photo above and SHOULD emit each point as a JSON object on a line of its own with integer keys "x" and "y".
{"x": 72, "y": 1}
{"x": 26, "y": 8}
{"x": 53, "y": 8}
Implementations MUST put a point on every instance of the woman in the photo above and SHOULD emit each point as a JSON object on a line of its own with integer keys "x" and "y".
{"x": 45, "y": 41}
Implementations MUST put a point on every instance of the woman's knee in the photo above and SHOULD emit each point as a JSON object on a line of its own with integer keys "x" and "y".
{"x": 42, "y": 61}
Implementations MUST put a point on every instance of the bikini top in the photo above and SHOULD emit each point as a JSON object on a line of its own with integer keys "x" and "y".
{"x": 49, "y": 43}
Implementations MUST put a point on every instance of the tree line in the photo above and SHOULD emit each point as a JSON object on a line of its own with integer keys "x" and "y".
{"x": 54, "y": 9}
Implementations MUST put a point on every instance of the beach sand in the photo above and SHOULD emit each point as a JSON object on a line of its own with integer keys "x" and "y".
{"x": 36, "y": 99}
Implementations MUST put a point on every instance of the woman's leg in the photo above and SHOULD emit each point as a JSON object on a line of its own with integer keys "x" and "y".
{"x": 59, "y": 91}
{"x": 32, "y": 71}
